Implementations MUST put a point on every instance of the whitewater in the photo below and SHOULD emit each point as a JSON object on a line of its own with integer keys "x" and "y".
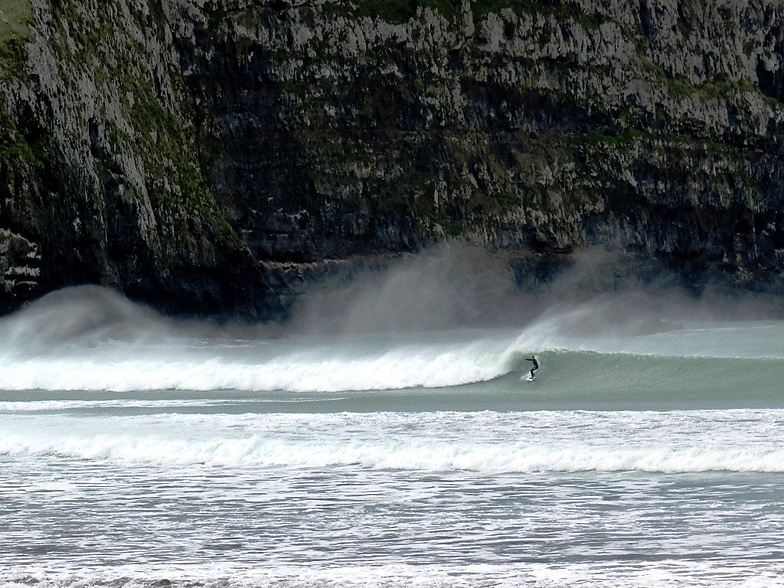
{"x": 137, "y": 450}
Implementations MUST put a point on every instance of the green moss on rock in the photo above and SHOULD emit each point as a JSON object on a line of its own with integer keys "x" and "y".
{"x": 15, "y": 19}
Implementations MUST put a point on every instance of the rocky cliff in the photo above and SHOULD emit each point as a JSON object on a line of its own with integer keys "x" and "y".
{"x": 217, "y": 156}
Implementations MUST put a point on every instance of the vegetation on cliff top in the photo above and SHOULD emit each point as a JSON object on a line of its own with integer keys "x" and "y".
{"x": 15, "y": 19}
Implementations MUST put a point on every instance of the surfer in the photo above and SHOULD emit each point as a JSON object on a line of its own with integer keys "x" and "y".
{"x": 535, "y": 367}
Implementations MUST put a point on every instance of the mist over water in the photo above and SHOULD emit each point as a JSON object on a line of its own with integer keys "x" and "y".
{"x": 449, "y": 287}
{"x": 446, "y": 287}
{"x": 451, "y": 316}
{"x": 457, "y": 285}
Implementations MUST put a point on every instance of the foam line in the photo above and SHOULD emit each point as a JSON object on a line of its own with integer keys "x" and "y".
{"x": 394, "y": 454}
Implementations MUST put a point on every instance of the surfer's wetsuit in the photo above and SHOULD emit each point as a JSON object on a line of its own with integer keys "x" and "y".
{"x": 536, "y": 365}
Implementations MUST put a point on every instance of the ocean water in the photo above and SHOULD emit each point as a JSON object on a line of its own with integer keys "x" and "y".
{"x": 137, "y": 451}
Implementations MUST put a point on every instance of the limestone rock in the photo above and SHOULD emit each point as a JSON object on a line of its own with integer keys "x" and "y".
{"x": 217, "y": 156}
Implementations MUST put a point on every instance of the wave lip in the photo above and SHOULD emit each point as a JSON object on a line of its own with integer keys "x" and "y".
{"x": 397, "y": 369}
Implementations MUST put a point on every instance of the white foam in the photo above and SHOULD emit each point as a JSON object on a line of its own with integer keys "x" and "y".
{"x": 299, "y": 365}
{"x": 478, "y": 442}
{"x": 608, "y": 574}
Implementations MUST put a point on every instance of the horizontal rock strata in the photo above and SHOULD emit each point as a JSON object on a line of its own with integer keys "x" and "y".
{"x": 218, "y": 156}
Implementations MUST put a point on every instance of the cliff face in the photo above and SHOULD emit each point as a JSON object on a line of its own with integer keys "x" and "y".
{"x": 217, "y": 156}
